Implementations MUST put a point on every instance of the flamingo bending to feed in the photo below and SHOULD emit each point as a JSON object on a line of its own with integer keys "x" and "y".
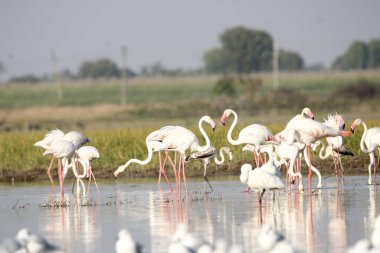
{"x": 369, "y": 142}
{"x": 164, "y": 139}
{"x": 85, "y": 155}
{"x": 182, "y": 139}
{"x": 63, "y": 150}
{"x": 207, "y": 155}
{"x": 75, "y": 137}
{"x": 254, "y": 134}
{"x": 308, "y": 131}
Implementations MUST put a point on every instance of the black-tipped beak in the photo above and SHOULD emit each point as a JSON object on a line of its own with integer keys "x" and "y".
{"x": 344, "y": 126}
{"x": 223, "y": 123}
{"x": 352, "y": 130}
{"x": 213, "y": 129}
{"x": 312, "y": 118}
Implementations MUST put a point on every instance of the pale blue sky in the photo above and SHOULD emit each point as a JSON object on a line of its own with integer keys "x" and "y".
{"x": 174, "y": 32}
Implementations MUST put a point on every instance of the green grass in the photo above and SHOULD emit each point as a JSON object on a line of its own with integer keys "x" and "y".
{"x": 20, "y": 159}
{"x": 27, "y": 112}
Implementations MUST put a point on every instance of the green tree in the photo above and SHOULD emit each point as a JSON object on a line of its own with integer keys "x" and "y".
{"x": 290, "y": 61}
{"x": 247, "y": 50}
{"x": 215, "y": 61}
{"x": 356, "y": 56}
{"x": 102, "y": 68}
{"x": 374, "y": 54}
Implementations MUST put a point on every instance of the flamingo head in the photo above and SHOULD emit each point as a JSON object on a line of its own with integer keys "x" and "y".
{"x": 225, "y": 115}
{"x": 339, "y": 119}
{"x": 356, "y": 123}
{"x": 210, "y": 121}
{"x": 308, "y": 113}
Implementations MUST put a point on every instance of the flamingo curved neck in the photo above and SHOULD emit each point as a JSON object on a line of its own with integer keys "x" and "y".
{"x": 323, "y": 149}
{"x": 362, "y": 145}
{"x": 216, "y": 159}
{"x": 141, "y": 162}
{"x": 229, "y": 134}
{"x": 205, "y": 136}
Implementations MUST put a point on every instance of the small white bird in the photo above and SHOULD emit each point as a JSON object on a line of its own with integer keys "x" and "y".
{"x": 273, "y": 241}
{"x": 34, "y": 243}
{"x": 126, "y": 244}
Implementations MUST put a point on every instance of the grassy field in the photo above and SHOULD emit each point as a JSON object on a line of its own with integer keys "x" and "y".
{"x": 27, "y": 112}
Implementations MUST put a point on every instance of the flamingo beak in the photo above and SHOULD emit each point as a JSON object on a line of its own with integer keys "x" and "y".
{"x": 352, "y": 130}
{"x": 222, "y": 119}
{"x": 344, "y": 126}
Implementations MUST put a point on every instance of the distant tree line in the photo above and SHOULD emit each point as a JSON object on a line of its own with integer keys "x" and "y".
{"x": 243, "y": 50}
{"x": 360, "y": 55}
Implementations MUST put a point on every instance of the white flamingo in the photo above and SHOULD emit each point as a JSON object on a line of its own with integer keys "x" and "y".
{"x": 182, "y": 139}
{"x": 63, "y": 150}
{"x": 254, "y": 134}
{"x": 293, "y": 123}
{"x": 266, "y": 177}
{"x": 206, "y": 157}
{"x": 285, "y": 153}
{"x": 308, "y": 131}
{"x": 160, "y": 140}
{"x": 75, "y": 137}
{"x": 85, "y": 155}
{"x": 369, "y": 142}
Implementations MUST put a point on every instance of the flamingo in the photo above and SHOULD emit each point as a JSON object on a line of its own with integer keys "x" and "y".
{"x": 180, "y": 140}
{"x": 85, "y": 155}
{"x": 369, "y": 142}
{"x": 207, "y": 155}
{"x": 308, "y": 131}
{"x": 153, "y": 142}
{"x": 266, "y": 177}
{"x": 254, "y": 134}
{"x": 75, "y": 137}
{"x": 160, "y": 140}
{"x": 63, "y": 150}
{"x": 285, "y": 152}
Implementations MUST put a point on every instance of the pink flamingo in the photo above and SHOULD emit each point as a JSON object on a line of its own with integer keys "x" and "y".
{"x": 63, "y": 150}
{"x": 155, "y": 141}
{"x": 254, "y": 134}
{"x": 75, "y": 137}
{"x": 180, "y": 140}
{"x": 369, "y": 142}
{"x": 308, "y": 131}
{"x": 334, "y": 145}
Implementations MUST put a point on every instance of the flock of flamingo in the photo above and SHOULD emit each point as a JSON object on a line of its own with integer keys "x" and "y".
{"x": 301, "y": 134}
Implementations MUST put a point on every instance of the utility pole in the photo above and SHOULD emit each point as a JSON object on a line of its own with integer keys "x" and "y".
{"x": 275, "y": 65}
{"x": 55, "y": 74}
{"x": 124, "y": 76}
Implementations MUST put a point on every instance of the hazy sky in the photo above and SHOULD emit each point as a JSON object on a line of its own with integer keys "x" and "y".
{"x": 174, "y": 32}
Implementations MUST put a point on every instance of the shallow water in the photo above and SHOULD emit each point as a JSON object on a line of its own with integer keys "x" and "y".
{"x": 328, "y": 220}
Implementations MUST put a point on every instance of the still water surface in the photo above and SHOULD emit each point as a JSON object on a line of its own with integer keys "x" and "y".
{"x": 328, "y": 220}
